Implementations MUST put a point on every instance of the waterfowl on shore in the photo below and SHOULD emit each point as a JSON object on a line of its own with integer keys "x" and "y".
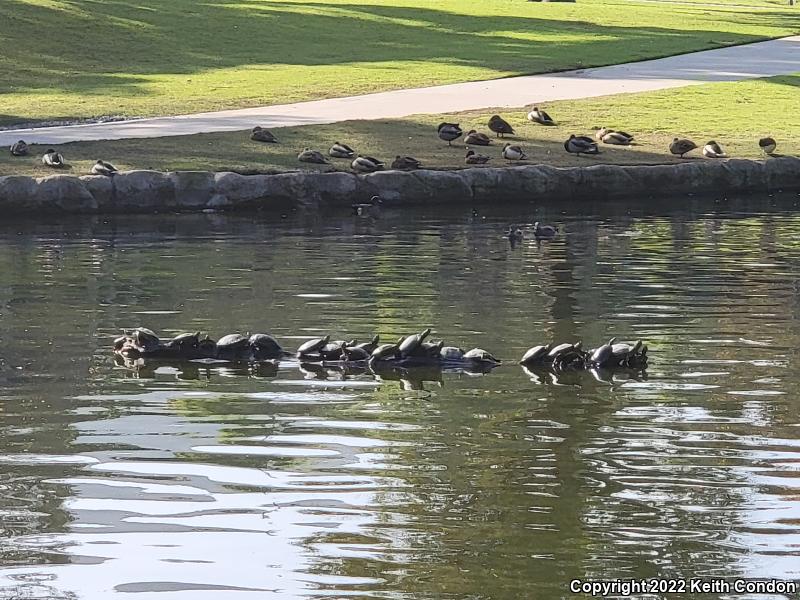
{"x": 367, "y": 208}
{"x": 405, "y": 163}
{"x": 339, "y": 150}
{"x": 617, "y": 138}
{"x": 449, "y": 132}
{"x": 366, "y": 164}
{"x": 581, "y": 145}
{"x": 681, "y": 146}
{"x": 713, "y": 150}
{"x": 102, "y": 167}
{"x": 19, "y": 149}
{"x": 500, "y": 126}
{"x": 53, "y": 159}
{"x": 475, "y": 159}
{"x": 312, "y": 156}
{"x": 476, "y": 138}
{"x": 539, "y": 116}
{"x": 513, "y": 153}
{"x": 259, "y": 134}
{"x": 767, "y": 145}
{"x": 544, "y": 231}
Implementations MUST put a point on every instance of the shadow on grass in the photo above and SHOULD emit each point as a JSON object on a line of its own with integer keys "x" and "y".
{"x": 110, "y": 46}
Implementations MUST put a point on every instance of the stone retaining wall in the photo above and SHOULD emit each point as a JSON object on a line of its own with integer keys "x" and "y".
{"x": 153, "y": 191}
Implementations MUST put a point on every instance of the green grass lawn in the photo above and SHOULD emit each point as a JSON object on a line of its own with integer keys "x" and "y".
{"x": 74, "y": 59}
{"x": 734, "y": 114}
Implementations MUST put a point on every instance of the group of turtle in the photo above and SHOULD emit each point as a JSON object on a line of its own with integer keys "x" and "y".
{"x": 565, "y": 356}
{"x": 144, "y": 343}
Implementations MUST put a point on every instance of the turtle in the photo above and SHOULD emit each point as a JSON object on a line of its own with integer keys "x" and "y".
{"x": 145, "y": 339}
{"x": 313, "y": 345}
{"x": 451, "y": 353}
{"x": 207, "y": 348}
{"x": 370, "y": 345}
{"x": 184, "y": 342}
{"x": 431, "y": 349}
{"x": 233, "y": 346}
{"x": 535, "y": 355}
{"x": 412, "y": 342}
{"x": 333, "y": 350}
{"x": 569, "y": 355}
{"x": 263, "y": 346}
{"x": 602, "y": 354}
{"x": 387, "y": 351}
{"x": 479, "y": 355}
{"x": 555, "y": 351}
{"x": 354, "y": 353}
{"x": 120, "y": 342}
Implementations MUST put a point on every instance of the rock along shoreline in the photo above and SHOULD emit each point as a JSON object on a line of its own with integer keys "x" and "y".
{"x": 195, "y": 191}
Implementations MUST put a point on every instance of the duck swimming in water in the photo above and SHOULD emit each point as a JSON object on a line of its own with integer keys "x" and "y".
{"x": 544, "y": 231}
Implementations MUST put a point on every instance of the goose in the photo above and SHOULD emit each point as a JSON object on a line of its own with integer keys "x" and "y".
{"x": 53, "y": 159}
{"x": 713, "y": 150}
{"x": 366, "y": 164}
{"x": 542, "y": 231}
{"x": 259, "y": 134}
{"x": 477, "y": 139}
{"x": 767, "y": 145}
{"x": 312, "y": 156}
{"x": 475, "y": 159}
{"x": 339, "y": 150}
{"x": 581, "y": 145}
{"x": 679, "y": 146}
{"x": 537, "y": 115}
{"x": 449, "y": 132}
{"x": 102, "y": 167}
{"x": 405, "y": 163}
{"x": 513, "y": 153}
{"x": 500, "y": 126}
{"x": 19, "y": 149}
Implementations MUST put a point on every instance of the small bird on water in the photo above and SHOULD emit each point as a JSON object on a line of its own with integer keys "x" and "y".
{"x": 370, "y": 208}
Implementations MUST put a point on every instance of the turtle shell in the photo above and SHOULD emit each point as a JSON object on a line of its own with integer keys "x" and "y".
{"x": 313, "y": 345}
{"x": 233, "y": 341}
{"x": 265, "y": 346}
{"x": 145, "y": 338}
{"x": 451, "y": 353}
{"x": 354, "y": 353}
{"x": 385, "y": 351}
{"x": 559, "y": 350}
{"x": 371, "y": 345}
{"x": 535, "y": 354}
{"x": 479, "y": 354}
{"x": 413, "y": 342}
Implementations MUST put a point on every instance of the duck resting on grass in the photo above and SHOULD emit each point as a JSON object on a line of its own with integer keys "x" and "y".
{"x": 713, "y": 150}
{"x": 366, "y": 164}
{"x": 513, "y": 153}
{"x": 102, "y": 167}
{"x": 20, "y": 148}
{"x": 500, "y": 126}
{"x": 259, "y": 134}
{"x": 449, "y": 132}
{"x": 312, "y": 156}
{"x": 681, "y": 146}
{"x": 405, "y": 163}
{"x": 581, "y": 145}
{"x": 539, "y": 116}
{"x": 53, "y": 159}
{"x": 475, "y": 159}
{"x": 339, "y": 150}
{"x": 611, "y": 136}
{"x": 476, "y": 138}
{"x": 767, "y": 145}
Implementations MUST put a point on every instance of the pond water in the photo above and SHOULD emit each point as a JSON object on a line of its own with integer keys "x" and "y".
{"x": 196, "y": 481}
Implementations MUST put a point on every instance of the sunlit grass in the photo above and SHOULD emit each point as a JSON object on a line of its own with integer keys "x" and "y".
{"x": 84, "y": 58}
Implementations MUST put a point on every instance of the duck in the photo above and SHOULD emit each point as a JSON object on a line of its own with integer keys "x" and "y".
{"x": 513, "y": 153}
{"x": 713, "y": 150}
{"x": 681, "y": 146}
{"x": 312, "y": 156}
{"x": 537, "y": 115}
{"x": 53, "y": 159}
{"x": 475, "y": 159}
{"x": 477, "y": 139}
{"x": 449, "y": 132}
{"x": 102, "y": 167}
{"x": 581, "y": 145}
{"x": 514, "y": 234}
{"x": 259, "y": 134}
{"x": 19, "y": 149}
{"x": 544, "y": 231}
{"x": 500, "y": 126}
{"x": 367, "y": 208}
{"x": 405, "y": 163}
{"x": 339, "y": 150}
{"x": 617, "y": 138}
{"x": 366, "y": 164}
{"x": 767, "y": 145}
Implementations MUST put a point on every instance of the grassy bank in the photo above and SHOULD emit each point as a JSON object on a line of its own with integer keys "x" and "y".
{"x": 75, "y": 59}
{"x": 734, "y": 114}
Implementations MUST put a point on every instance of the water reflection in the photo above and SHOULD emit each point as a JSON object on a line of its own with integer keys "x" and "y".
{"x": 290, "y": 480}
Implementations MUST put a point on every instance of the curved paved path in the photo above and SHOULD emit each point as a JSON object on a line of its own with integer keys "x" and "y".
{"x": 762, "y": 59}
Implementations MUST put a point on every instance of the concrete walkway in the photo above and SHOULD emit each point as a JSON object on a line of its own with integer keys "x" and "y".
{"x": 775, "y": 57}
